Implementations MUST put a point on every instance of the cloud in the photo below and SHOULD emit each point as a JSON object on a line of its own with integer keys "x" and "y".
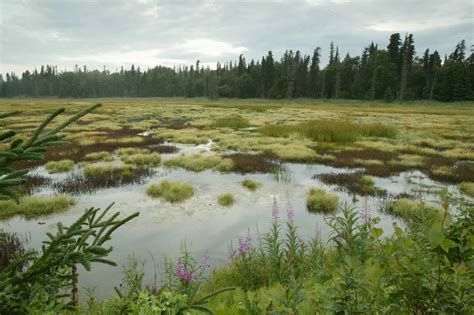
{"x": 169, "y": 32}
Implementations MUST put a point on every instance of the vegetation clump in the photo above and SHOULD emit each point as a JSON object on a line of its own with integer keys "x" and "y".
{"x": 226, "y": 200}
{"x": 231, "y": 122}
{"x": 35, "y": 206}
{"x": 59, "y": 166}
{"x": 140, "y": 159}
{"x": 330, "y": 130}
{"x": 414, "y": 211}
{"x": 251, "y": 185}
{"x": 199, "y": 163}
{"x": 355, "y": 183}
{"x": 467, "y": 188}
{"x": 103, "y": 156}
{"x": 172, "y": 191}
{"x": 244, "y": 163}
{"x": 320, "y": 201}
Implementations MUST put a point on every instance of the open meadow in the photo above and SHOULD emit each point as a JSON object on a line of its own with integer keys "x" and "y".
{"x": 212, "y": 175}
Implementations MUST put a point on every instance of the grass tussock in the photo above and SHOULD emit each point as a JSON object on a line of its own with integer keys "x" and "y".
{"x": 59, "y": 166}
{"x": 96, "y": 177}
{"x": 251, "y": 185}
{"x": 467, "y": 188}
{"x": 103, "y": 156}
{"x": 35, "y": 206}
{"x": 172, "y": 191}
{"x": 226, "y": 200}
{"x": 131, "y": 151}
{"x": 140, "y": 159}
{"x": 244, "y": 163}
{"x": 355, "y": 183}
{"x": 413, "y": 211}
{"x": 330, "y": 130}
{"x": 231, "y": 122}
{"x": 320, "y": 201}
{"x": 199, "y": 163}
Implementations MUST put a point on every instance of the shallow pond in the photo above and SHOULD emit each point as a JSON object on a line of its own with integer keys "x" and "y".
{"x": 205, "y": 226}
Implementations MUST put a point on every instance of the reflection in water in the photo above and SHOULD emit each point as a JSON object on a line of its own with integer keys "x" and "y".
{"x": 201, "y": 222}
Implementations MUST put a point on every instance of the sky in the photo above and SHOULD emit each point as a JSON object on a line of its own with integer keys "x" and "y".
{"x": 146, "y": 33}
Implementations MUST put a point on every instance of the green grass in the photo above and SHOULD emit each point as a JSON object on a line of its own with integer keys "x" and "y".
{"x": 172, "y": 191}
{"x": 231, "y": 122}
{"x": 226, "y": 200}
{"x": 140, "y": 159}
{"x": 411, "y": 210}
{"x": 330, "y": 130}
{"x": 99, "y": 156}
{"x": 320, "y": 201}
{"x": 251, "y": 185}
{"x": 467, "y": 188}
{"x": 92, "y": 170}
{"x": 131, "y": 151}
{"x": 35, "y": 206}
{"x": 59, "y": 166}
{"x": 199, "y": 163}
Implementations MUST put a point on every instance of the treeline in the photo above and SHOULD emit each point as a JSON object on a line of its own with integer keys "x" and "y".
{"x": 394, "y": 73}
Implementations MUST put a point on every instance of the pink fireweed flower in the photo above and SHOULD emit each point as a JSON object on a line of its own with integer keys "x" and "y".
{"x": 317, "y": 236}
{"x": 275, "y": 211}
{"x": 231, "y": 252}
{"x": 154, "y": 290}
{"x": 365, "y": 216}
{"x": 184, "y": 274}
{"x": 204, "y": 262}
{"x": 244, "y": 244}
{"x": 290, "y": 213}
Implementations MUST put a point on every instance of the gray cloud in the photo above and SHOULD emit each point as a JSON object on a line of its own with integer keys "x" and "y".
{"x": 149, "y": 32}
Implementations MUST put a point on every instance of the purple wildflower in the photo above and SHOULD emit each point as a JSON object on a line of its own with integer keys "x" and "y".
{"x": 366, "y": 217}
{"x": 184, "y": 274}
{"x": 275, "y": 210}
{"x": 290, "y": 213}
{"x": 231, "y": 252}
{"x": 154, "y": 290}
{"x": 204, "y": 262}
{"x": 244, "y": 244}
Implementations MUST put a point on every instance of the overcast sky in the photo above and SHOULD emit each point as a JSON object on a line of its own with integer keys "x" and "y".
{"x": 173, "y": 32}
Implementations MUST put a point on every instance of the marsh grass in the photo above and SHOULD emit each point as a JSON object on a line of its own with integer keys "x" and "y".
{"x": 231, "y": 122}
{"x": 96, "y": 177}
{"x": 356, "y": 183}
{"x": 226, "y": 200}
{"x": 59, "y": 166}
{"x": 244, "y": 163}
{"x": 34, "y": 183}
{"x": 140, "y": 159}
{"x": 414, "y": 211}
{"x": 35, "y": 206}
{"x": 172, "y": 191}
{"x": 103, "y": 156}
{"x": 467, "y": 188}
{"x": 199, "y": 163}
{"x": 320, "y": 201}
{"x": 330, "y": 130}
{"x": 251, "y": 185}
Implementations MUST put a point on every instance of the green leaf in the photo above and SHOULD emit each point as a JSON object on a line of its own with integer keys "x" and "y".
{"x": 447, "y": 244}
{"x": 376, "y": 232}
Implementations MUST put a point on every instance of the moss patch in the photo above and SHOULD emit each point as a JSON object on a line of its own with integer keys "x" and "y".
{"x": 414, "y": 211}
{"x": 140, "y": 159}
